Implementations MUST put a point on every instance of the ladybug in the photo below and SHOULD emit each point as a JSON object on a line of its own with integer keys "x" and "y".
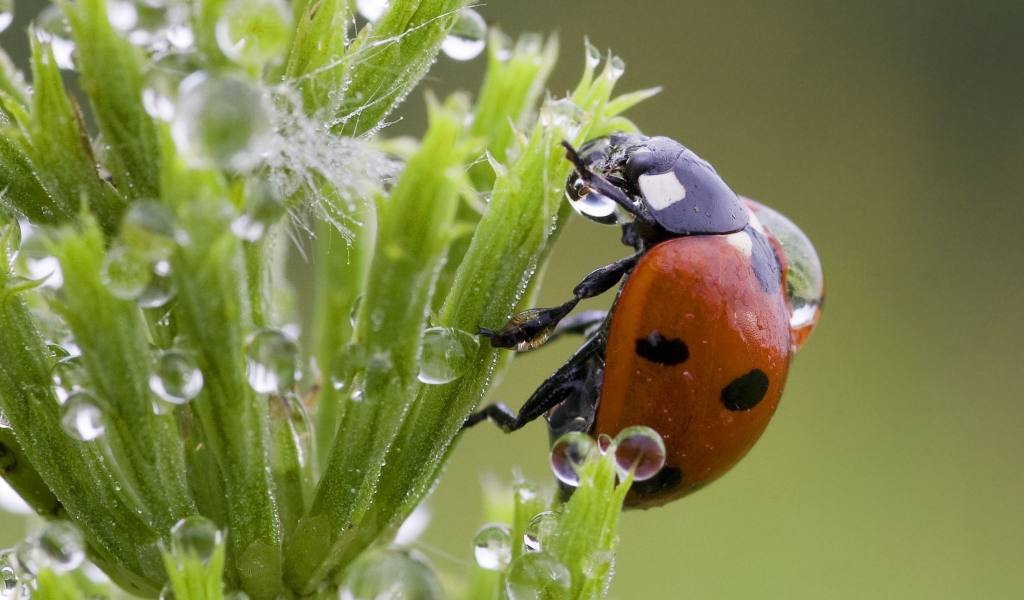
{"x": 718, "y": 297}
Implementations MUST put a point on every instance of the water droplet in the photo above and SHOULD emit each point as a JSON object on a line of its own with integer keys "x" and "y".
{"x": 604, "y": 442}
{"x": 272, "y": 361}
{"x": 639, "y": 448}
{"x": 391, "y": 573}
{"x": 467, "y": 37}
{"x": 593, "y": 55}
{"x": 52, "y": 27}
{"x": 501, "y": 45}
{"x": 6, "y": 13}
{"x": 10, "y": 234}
{"x": 167, "y": 593}
{"x": 538, "y": 576}
{"x": 196, "y": 536}
{"x": 263, "y": 208}
{"x": 372, "y": 9}
{"x": 539, "y": 530}
{"x": 61, "y": 547}
{"x": 68, "y": 375}
{"x": 492, "y": 547}
{"x": 25, "y": 553}
{"x": 616, "y": 67}
{"x": 161, "y": 287}
{"x": 176, "y": 377}
{"x": 82, "y": 416}
{"x": 221, "y": 120}
{"x": 563, "y": 115}
{"x": 568, "y": 453}
{"x": 348, "y": 363}
{"x": 125, "y": 272}
{"x": 163, "y": 75}
{"x": 805, "y": 281}
{"x": 122, "y": 14}
{"x": 148, "y": 227}
{"x": 252, "y": 32}
{"x": 8, "y": 574}
{"x": 446, "y": 354}
{"x": 353, "y": 316}
{"x": 153, "y": 24}
{"x": 593, "y": 205}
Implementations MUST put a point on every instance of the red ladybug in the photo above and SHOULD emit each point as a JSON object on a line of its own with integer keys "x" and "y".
{"x": 720, "y": 294}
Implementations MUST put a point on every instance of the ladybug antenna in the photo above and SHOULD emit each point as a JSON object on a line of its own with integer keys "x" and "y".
{"x": 602, "y": 185}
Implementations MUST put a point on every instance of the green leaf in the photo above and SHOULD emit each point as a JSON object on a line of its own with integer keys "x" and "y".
{"x": 111, "y": 74}
{"x": 317, "y": 60}
{"x": 20, "y": 184}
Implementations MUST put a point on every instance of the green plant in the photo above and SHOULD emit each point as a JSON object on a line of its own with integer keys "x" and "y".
{"x": 151, "y": 390}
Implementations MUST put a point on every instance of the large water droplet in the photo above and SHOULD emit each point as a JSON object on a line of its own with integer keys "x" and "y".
{"x": 391, "y": 574}
{"x": 125, "y": 272}
{"x": 10, "y": 234}
{"x": 593, "y": 205}
{"x": 252, "y": 32}
{"x": 616, "y": 67}
{"x": 446, "y": 354}
{"x": 538, "y": 576}
{"x": 263, "y": 208}
{"x": 161, "y": 287}
{"x": 163, "y": 76}
{"x": 562, "y": 115}
{"x": 153, "y": 24}
{"x": 593, "y": 55}
{"x": 52, "y": 27}
{"x": 372, "y": 9}
{"x": 221, "y": 120}
{"x": 68, "y": 375}
{"x": 467, "y": 37}
{"x": 492, "y": 547}
{"x": 82, "y": 416}
{"x": 148, "y": 227}
{"x": 568, "y": 453}
{"x": 176, "y": 378}
{"x": 805, "y": 281}
{"x": 60, "y": 547}
{"x": 272, "y": 361}
{"x": 540, "y": 530}
{"x": 196, "y": 536}
{"x": 6, "y": 13}
{"x": 641, "y": 449}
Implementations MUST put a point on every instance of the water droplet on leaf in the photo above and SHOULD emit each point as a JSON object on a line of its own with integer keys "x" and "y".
{"x": 272, "y": 361}
{"x": 82, "y": 416}
{"x": 176, "y": 377}
{"x": 196, "y": 536}
{"x": 538, "y": 576}
{"x": 125, "y": 272}
{"x": 492, "y": 547}
{"x": 639, "y": 448}
{"x": 539, "y": 530}
{"x": 391, "y": 573}
{"x": 52, "y": 27}
{"x": 446, "y": 354}
{"x": 6, "y": 13}
{"x": 467, "y": 37}
{"x": 252, "y": 32}
{"x": 60, "y": 547}
{"x": 372, "y": 9}
{"x": 568, "y": 453}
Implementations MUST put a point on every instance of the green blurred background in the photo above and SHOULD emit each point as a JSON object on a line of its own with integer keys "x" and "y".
{"x": 893, "y": 134}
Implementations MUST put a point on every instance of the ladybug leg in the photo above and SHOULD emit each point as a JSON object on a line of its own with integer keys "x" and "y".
{"x": 555, "y": 389}
{"x": 582, "y": 324}
{"x": 531, "y": 328}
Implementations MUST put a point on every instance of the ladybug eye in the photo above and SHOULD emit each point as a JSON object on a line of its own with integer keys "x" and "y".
{"x": 592, "y": 204}
{"x": 805, "y": 282}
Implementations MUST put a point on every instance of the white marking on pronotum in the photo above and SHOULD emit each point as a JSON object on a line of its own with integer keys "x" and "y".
{"x": 742, "y": 242}
{"x": 755, "y": 222}
{"x": 662, "y": 190}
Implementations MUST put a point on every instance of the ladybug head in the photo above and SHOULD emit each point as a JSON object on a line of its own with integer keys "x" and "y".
{"x": 671, "y": 191}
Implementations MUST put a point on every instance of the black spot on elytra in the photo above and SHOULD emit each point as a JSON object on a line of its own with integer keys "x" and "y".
{"x": 657, "y": 348}
{"x": 764, "y": 261}
{"x": 666, "y": 479}
{"x": 744, "y": 392}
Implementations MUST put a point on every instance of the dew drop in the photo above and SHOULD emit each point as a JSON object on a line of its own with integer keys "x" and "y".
{"x": 60, "y": 547}
{"x": 263, "y": 208}
{"x": 639, "y": 448}
{"x": 82, "y": 416}
{"x": 538, "y": 576}
{"x": 6, "y": 14}
{"x": 52, "y": 27}
{"x": 252, "y": 32}
{"x": 593, "y": 55}
{"x": 492, "y": 546}
{"x": 604, "y": 442}
{"x": 167, "y": 593}
{"x": 8, "y": 574}
{"x": 616, "y": 67}
{"x": 162, "y": 77}
{"x": 221, "y": 120}
{"x": 525, "y": 491}
{"x": 539, "y": 530}
{"x": 272, "y": 361}
{"x": 176, "y": 378}
{"x": 391, "y": 573}
{"x": 148, "y": 227}
{"x": 161, "y": 287}
{"x": 446, "y": 354}
{"x": 467, "y": 37}
{"x": 501, "y": 46}
{"x": 122, "y": 14}
{"x": 568, "y": 453}
{"x": 196, "y": 536}
{"x": 125, "y": 272}
{"x": 68, "y": 375}
{"x": 805, "y": 281}
{"x": 348, "y": 363}
{"x": 372, "y": 9}
{"x": 562, "y": 115}
{"x": 593, "y": 205}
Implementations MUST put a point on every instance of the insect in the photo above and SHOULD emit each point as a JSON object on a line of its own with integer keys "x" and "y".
{"x": 718, "y": 296}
